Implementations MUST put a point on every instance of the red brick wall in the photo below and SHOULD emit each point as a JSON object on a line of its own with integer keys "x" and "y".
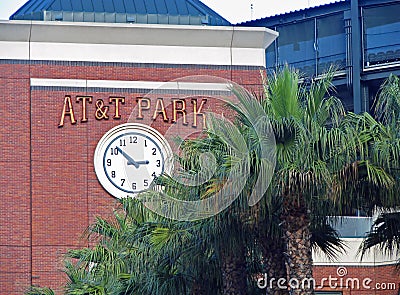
{"x": 50, "y": 193}
{"x": 15, "y": 217}
{"x": 367, "y": 280}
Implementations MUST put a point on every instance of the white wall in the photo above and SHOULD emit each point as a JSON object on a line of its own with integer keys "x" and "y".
{"x": 134, "y": 43}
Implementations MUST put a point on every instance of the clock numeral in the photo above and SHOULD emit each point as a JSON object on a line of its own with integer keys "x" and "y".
{"x": 113, "y": 174}
{"x": 145, "y": 182}
{"x": 133, "y": 185}
{"x": 108, "y": 162}
{"x": 158, "y": 163}
{"x": 154, "y": 151}
{"x": 133, "y": 139}
{"x": 122, "y": 181}
{"x": 154, "y": 175}
{"x": 114, "y": 151}
{"x": 122, "y": 142}
{"x": 145, "y": 142}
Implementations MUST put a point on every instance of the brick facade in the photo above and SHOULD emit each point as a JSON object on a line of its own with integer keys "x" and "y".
{"x": 50, "y": 191}
{"x": 360, "y": 280}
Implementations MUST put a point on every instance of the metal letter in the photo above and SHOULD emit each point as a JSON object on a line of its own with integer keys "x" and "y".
{"x": 141, "y": 106}
{"x": 84, "y": 99}
{"x": 182, "y": 110}
{"x": 117, "y": 100}
{"x": 101, "y": 110}
{"x": 160, "y": 108}
{"x": 197, "y": 111}
{"x": 67, "y": 111}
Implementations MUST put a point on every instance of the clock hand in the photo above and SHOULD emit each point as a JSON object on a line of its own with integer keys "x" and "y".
{"x": 142, "y": 162}
{"x": 131, "y": 161}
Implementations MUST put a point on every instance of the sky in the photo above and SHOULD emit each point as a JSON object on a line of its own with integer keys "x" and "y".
{"x": 234, "y": 11}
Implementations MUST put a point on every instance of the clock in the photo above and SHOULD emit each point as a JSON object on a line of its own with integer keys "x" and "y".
{"x": 129, "y": 157}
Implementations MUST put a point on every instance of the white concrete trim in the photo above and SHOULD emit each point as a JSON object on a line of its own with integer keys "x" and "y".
{"x": 119, "y": 84}
{"x": 374, "y": 257}
{"x": 14, "y": 50}
{"x": 248, "y": 56}
{"x": 133, "y": 54}
{"x": 135, "y": 43}
{"x": 58, "y": 82}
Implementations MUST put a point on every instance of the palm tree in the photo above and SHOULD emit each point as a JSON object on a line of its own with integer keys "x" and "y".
{"x": 320, "y": 157}
{"x": 224, "y": 234}
{"x": 385, "y": 146}
{"x": 312, "y": 150}
{"x": 385, "y": 235}
{"x": 127, "y": 257}
{"x": 141, "y": 253}
{"x": 39, "y": 291}
{"x": 319, "y": 154}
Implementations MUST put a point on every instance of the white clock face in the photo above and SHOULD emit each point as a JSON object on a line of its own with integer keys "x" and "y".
{"x": 129, "y": 157}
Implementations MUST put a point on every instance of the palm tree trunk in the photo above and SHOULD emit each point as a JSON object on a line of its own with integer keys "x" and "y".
{"x": 198, "y": 289}
{"x": 274, "y": 261}
{"x": 234, "y": 276}
{"x": 298, "y": 243}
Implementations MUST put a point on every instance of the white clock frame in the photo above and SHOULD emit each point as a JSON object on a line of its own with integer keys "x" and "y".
{"x": 118, "y": 150}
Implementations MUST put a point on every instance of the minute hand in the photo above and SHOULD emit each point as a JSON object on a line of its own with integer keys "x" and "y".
{"x": 131, "y": 161}
{"x": 145, "y": 162}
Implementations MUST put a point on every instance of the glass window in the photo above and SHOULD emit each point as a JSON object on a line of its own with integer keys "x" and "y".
{"x": 351, "y": 226}
{"x": 303, "y": 44}
{"x": 331, "y": 42}
{"x": 381, "y": 34}
{"x": 296, "y": 46}
{"x": 270, "y": 56}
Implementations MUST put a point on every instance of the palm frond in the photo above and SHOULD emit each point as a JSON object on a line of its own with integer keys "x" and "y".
{"x": 34, "y": 290}
{"x": 384, "y": 234}
{"x": 325, "y": 238}
{"x": 387, "y": 103}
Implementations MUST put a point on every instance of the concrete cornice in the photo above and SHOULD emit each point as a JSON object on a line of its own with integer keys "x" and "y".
{"x": 134, "y": 43}
{"x": 136, "y": 34}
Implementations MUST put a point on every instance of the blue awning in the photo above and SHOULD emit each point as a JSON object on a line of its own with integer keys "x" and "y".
{"x": 178, "y": 12}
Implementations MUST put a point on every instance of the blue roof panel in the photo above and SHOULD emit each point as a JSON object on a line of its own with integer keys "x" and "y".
{"x": 76, "y": 5}
{"x": 129, "y": 6}
{"x": 262, "y": 21}
{"x": 32, "y": 6}
{"x": 87, "y": 6}
{"x": 146, "y": 11}
{"x": 151, "y": 7}
{"x": 140, "y": 6}
{"x": 97, "y": 6}
{"x": 182, "y": 8}
{"x": 119, "y": 6}
{"x": 66, "y": 5}
{"x": 109, "y": 6}
{"x": 56, "y": 5}
{"x": 172, "y": 9}
{"x": 161, "y": 6}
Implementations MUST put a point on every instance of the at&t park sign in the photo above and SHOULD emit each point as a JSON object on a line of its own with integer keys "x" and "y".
{"x": 81, "y": 108}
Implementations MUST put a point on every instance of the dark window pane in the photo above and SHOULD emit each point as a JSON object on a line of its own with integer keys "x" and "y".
{"x": 331, "y": 42}
{"x": 271, "y": 56}
{"x": 296, "y": 46}
{"x": 381, "y": 34}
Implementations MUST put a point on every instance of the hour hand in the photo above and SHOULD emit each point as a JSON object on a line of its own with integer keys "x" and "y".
{"x": 142, "y": 162}
{"x": 131, "y": 161}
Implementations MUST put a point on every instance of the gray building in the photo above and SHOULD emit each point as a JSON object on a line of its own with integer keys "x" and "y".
{"x": 361, "y": 38}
